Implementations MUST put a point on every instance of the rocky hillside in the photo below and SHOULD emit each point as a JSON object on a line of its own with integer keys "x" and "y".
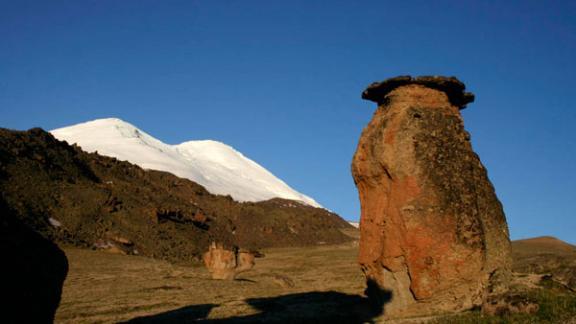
{"x": 87, "y": 200}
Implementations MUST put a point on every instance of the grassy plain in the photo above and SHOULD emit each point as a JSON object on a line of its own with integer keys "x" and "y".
{"x": 289, "y": 285}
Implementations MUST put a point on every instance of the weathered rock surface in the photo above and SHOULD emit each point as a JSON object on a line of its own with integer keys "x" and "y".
{"x": 226, "y": 263}
{"x": 32, "y": 272}
{"x": 432, "y": 231}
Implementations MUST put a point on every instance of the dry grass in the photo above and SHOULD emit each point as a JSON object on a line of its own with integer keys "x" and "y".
{"x": 555, "y": 307}
{"x": 313, "y": 284}
{"x": 104, "y": 288}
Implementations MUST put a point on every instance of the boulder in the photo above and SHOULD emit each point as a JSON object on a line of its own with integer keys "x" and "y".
{"x": 226, "y": 263}
{"x": 432, "y": 231}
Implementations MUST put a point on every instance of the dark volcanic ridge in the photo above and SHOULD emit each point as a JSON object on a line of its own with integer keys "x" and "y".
{"x": 92, "y": 201}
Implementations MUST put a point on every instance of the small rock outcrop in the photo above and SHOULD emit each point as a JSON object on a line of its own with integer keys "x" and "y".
{"x": 509, "y": 303}
{"x": 432, "y": 231}
{"x": 226, "y": 263}
{"x": 32, "y": 272}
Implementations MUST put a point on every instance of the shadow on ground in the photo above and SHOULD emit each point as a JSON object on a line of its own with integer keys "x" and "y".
{"x": 317, "y": 307}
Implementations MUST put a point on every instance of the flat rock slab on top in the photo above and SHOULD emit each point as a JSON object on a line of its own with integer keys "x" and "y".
{"x": 453, "y": 87}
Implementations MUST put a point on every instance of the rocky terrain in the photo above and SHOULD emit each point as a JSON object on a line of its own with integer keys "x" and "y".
{"x": 433, "y": 237}
{"x": 433, "y": 232}
{"x": 86, "y": 200}
{"x": 92, "y": 205}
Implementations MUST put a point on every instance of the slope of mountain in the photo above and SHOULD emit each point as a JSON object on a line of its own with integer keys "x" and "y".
{"x": 93, "y": 201}
{"x": 542, "y": 244}
{"x": 216, "y": 166}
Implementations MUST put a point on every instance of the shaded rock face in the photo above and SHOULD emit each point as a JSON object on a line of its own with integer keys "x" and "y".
{"x": 432, "y": 230}
{"x": 225, "y": 263}
{"x": 32, "y": 272}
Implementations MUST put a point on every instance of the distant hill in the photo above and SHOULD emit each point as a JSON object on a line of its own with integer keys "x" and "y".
{"x": 542, "y": 244}
{"x": 218, "y": 167}
{"x": 546, "y": 255}
{"x": 92, "y": 201}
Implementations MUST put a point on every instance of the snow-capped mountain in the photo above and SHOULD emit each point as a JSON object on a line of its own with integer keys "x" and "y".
{"x": 216, "y": 166}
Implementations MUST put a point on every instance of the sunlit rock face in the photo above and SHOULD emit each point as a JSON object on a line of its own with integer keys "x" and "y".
{"x": 433, "y": 232}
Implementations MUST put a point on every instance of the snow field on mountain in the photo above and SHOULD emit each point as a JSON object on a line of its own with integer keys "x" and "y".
{"x": 216, "y": 166}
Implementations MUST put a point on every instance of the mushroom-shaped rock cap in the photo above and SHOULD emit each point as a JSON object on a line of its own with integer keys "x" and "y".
{"x": 453, "y": 87}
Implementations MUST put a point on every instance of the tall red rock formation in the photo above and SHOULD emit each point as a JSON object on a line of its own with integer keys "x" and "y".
{"x": 433, "y": 232}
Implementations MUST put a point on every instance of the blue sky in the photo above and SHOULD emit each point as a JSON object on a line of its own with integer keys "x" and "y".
{"x": 281, "y": 80}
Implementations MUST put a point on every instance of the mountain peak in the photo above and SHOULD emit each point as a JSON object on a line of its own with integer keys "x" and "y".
{"x": 102, "y": 125}
{"x": 103, "y": 122}
{"x": 215, "y": 165}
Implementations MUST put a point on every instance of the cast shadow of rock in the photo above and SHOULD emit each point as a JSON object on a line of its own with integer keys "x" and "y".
{"x": 32, "y": 273}
{"x": 188, "y": 314}
{"x": 308, "y": 307}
